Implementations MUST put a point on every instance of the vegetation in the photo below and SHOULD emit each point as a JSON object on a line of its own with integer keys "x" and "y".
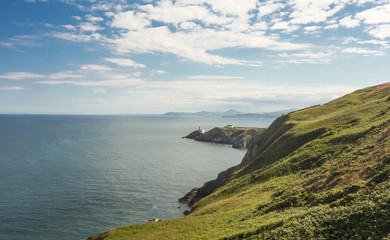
{"x": 318, "y": 173}
{"x": 239, "y": 137}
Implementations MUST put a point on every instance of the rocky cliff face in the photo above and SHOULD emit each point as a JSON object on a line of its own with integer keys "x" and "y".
{"x": 196, "y": 194}
{"x": 256, "y": 143}
{"x": 238, "y": 137}
{"x": 279, "y": 140}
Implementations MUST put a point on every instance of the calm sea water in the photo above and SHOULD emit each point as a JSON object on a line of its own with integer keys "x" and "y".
{"x": 69, "y": 177}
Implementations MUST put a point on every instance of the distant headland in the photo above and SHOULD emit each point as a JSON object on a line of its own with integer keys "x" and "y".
{"x": 238, "y": 137}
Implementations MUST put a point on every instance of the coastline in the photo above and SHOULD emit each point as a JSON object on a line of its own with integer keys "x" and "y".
{"x": 237, "y": 137}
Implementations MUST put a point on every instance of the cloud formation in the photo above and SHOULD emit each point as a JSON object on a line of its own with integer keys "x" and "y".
{"x": 124, "y": 62}
{"x": 195, "y": 30}
{"x": 142, "y": 43}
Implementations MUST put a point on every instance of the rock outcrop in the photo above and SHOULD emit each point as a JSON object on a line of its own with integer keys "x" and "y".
{"x": 238, "y": 137}
{"x": 256, "y": 143}
{"x": 210, "y": 186}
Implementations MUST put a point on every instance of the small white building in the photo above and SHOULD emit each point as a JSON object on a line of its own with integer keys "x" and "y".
{"x": 200, "y": 130}
{"x": 229, "y": 126}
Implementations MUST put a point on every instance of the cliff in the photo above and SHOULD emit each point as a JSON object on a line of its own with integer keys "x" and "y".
{"x": 238, "y": 137}
{"x": 317, "y": 173}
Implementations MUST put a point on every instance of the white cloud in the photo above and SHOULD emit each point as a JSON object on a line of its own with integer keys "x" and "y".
{"x": 194, "y": 30}
{"x": 224, "y": 7}
{"x": 383, "y": 44}
{"x": 312, "y": 28}
{"x": 376, "y": 15}
{"x": 94, "y": 67}
{"x": 83, "y": 32}
{"x": 348, "y": 22}
{"x": 63, "y": 75}
{"x": 97, "y": 83}
{"x": 130, "y": 20}
{"x": 259, "y": 26}
{"x": 193, "y": 46}
{"x": 349, "y": 40}
{"x": 124, "y": 62}
{"x": 191, "y": 41}
{"x": 214, "y": 77}
{"x": 157, "y": 72}
{"x": 70, "y": 27}
{"x": 268, "y": 8}
{"x": 21, "y": 41}
{"x": 89, "y": 27}
{"x": 21, "y": 75}
{"x": 331, "y": 26}
{"x": 314, "y": 11}
{"x": 226, "y": 24}
{"x": 307, "y": 57}
{"x": 94, "y": 18}
{"x": 109, "y": 14}
{"x": 48, "y": 25}
{"x": 287, "y": 26}
{"x": 78, "y": 18}
{"x": 29, "y": 75}
{"x": 166, "y": 12}
{"x": 380, "y": 31}
{"x": 11, "y": 88}
{"x": 36, "y": 1}
{"x": 363, "y": 51}
{"x": 190, "y": 26}
{"x": 74, "y": 37}
{"x": 233, "y": 7}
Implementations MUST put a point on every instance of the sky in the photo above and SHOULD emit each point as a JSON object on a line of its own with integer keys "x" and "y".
{"x": 155, "y": 56}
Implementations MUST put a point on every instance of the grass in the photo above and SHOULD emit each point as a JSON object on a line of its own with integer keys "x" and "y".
{"x": 318, "y": 173}
{"x": 239, "y": 137}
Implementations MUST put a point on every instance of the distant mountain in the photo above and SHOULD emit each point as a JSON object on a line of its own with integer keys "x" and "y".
{"x": 202, "y": 114}
{"x": 229, "y": 113}
{"x": 260, "y": 115}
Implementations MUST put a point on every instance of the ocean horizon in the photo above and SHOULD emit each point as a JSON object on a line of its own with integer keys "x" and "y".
{"x": 72, "y": 176}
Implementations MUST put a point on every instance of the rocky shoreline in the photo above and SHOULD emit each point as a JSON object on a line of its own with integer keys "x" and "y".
{"x": 238, "y": 137}
{"x": 197, "y": 194}
{"x": 256, "y": 144}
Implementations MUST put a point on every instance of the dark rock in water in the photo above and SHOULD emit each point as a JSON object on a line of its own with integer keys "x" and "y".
{"x": 186, "y": 212}
{"x": 189, "y": 196}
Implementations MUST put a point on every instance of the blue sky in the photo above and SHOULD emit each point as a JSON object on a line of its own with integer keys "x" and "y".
{"x": 144, "y": 56}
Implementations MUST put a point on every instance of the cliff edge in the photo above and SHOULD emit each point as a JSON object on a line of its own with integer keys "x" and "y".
{"x": 238, "y": 137}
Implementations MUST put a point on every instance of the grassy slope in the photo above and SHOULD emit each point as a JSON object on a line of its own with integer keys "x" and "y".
{"x": 322, "y": 173}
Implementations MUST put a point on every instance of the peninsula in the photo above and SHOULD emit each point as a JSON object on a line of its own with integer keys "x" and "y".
{"x": 238, "y": 137}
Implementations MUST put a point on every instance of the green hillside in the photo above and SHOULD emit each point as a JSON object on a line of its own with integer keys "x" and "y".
{"x": 317, "y": 173}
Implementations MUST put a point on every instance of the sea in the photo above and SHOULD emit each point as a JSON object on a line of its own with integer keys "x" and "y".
{"x": 70, "y": 177}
